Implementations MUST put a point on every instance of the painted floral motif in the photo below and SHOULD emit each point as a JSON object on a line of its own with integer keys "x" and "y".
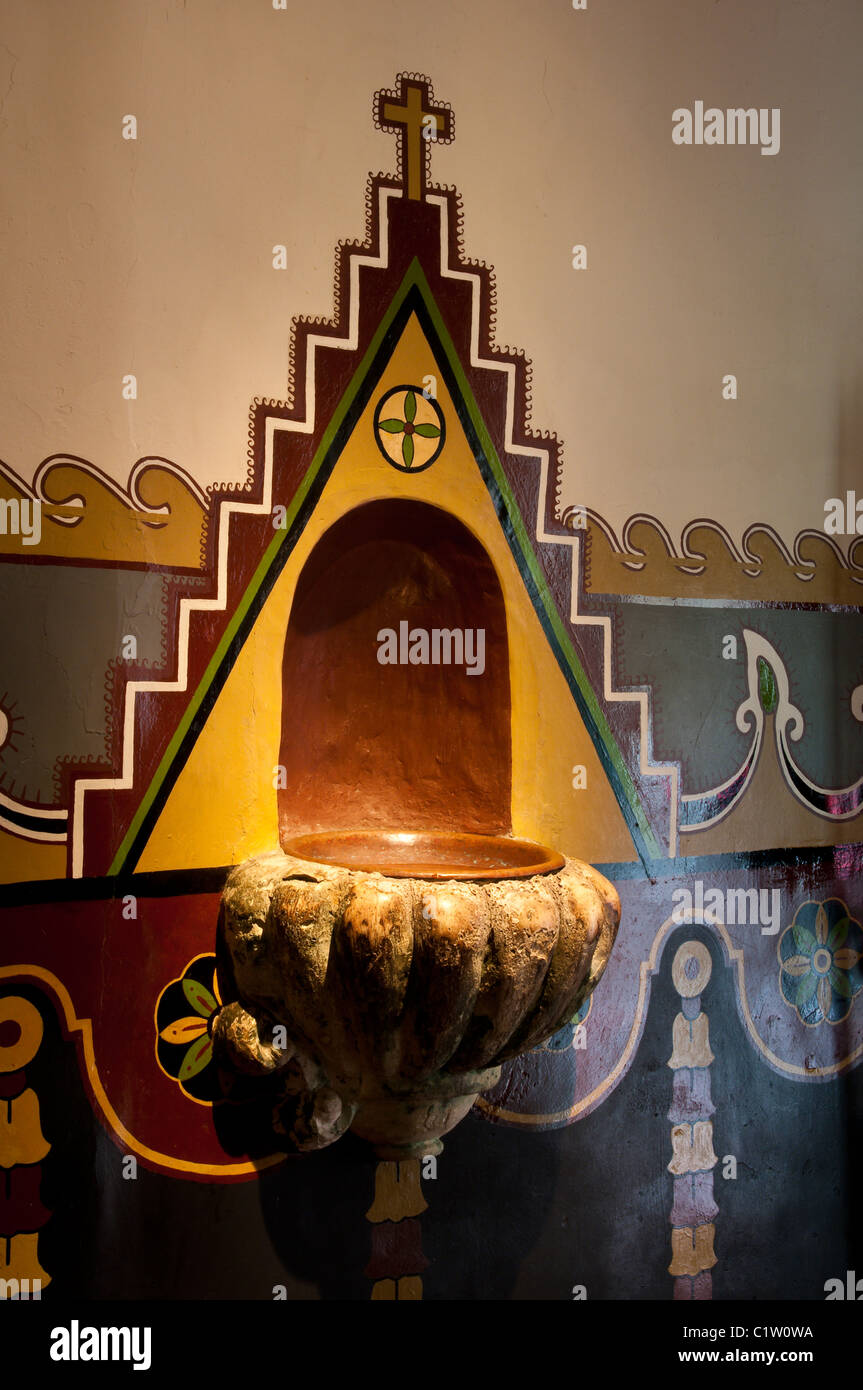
{"x": 820, "y": 956}
{"x": 184, "y": 1047}
{"x": 409, "y": 429}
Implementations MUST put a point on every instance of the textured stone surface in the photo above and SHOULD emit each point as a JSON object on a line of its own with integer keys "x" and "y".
{"x": 399, "y": 998}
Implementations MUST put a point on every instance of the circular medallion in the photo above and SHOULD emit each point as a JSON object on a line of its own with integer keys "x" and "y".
{"x": 409, "y": 429}
{"x": 691, "y": 969}
{"x": 21, "y": 1031}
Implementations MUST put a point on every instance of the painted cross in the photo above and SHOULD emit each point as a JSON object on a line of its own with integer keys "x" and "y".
{"x": 417, "y": 121}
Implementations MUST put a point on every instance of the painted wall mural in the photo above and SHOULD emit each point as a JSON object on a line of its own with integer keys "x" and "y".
{"x": 686, "y": 714}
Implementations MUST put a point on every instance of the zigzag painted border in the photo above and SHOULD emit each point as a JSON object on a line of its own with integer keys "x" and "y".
{"x": 647, "y": 765}
{"x": 227, "y": 509}
{"x": 352, "y": 260}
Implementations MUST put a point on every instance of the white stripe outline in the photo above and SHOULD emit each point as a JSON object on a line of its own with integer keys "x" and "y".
{"x": 648, "y": 767}
{"x": 227, "y": 509}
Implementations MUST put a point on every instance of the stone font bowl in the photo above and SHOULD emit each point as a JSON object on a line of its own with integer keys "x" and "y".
{"x": 403, "y": 969}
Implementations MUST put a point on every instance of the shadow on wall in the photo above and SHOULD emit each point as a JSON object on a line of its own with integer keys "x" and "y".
{"x": 485, "y": 1213}
{"x": 405, "y": 743}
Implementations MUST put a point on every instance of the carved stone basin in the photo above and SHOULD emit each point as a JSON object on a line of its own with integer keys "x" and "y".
{"x": 379, "y": 966}
{"x": 402, "y": 970}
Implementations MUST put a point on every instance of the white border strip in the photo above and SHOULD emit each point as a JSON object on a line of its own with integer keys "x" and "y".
{"x": 648, "y": 767}
{"x": 227, "y": 509}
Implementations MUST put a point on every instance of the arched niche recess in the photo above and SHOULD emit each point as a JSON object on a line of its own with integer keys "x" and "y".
{"x": 402, "y": 747}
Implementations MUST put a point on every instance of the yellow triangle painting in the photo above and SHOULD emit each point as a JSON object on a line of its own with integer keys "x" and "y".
{"x": 222, "y": 808}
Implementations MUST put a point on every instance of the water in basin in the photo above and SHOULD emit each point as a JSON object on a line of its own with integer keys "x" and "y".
{"x": 426, "y": 854}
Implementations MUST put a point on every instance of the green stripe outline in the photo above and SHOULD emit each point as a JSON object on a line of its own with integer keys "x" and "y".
{"x": 414, "y": 279}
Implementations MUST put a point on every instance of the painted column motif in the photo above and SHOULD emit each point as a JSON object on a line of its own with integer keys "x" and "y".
{"x": 693, "y": 1161}
{"x": 22, "y": 1148}
{"x": 397, "y": 1260}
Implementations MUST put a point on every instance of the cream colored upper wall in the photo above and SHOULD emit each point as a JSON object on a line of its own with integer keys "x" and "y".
{"x": 255, "y": 128}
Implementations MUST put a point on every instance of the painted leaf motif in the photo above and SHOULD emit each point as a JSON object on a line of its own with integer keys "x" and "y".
{"x": 838, "y": 933}
{"x": 821, "y": 926}
{"x": 824, "y": 996}
{"x": 804, "y": 939}
{"x": 806, "y": 991}
{"x": 846, "y": 959}
{"x": 391, "y": 426}
{"x": 410, "y": 407}
{"x": 199, "y": 997}
{"x": 408, "y": 450}
{"x": 767, "y": 692}
{"x": 184, "y": 1030}
{"x": 196, "y": 1058}
{"x": 797, "y": 966}
{"x": 840, "y": 983}
{"x": 427, "y": 431}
